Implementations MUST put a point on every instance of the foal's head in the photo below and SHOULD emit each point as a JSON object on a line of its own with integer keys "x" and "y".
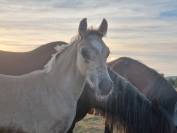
{"x": 92, "y": 56}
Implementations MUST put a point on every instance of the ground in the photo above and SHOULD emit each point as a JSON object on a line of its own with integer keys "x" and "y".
{"x": 90, "y": 124}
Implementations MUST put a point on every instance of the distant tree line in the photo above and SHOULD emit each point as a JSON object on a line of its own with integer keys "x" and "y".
{"x": 173, "y": 82}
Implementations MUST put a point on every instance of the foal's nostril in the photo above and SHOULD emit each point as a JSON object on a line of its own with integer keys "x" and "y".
{"x": 105, "y": 86}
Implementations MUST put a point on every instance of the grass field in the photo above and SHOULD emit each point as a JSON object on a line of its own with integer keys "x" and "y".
{"x": 90, "y": 124}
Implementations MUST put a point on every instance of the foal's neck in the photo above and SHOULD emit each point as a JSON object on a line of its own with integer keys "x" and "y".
{"x": 66, "y": 73}
{"x": 66, "y": 60}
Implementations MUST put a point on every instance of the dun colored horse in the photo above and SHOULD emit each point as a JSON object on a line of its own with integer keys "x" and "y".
{"x": 44, "y": 100}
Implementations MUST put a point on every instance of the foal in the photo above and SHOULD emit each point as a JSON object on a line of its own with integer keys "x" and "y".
{"x": 44, "y": 100}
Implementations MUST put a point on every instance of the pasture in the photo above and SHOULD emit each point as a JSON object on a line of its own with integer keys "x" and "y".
{"x": 90, "y": 124}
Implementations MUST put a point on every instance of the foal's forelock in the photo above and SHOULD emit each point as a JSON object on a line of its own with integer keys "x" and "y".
{"x": 89, "y": 32}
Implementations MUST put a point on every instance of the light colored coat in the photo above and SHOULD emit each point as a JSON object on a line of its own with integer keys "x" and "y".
{"x": 41, "y": 101}
{"x": 44, "y": 101}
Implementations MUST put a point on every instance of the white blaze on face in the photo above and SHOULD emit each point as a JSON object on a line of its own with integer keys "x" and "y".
{"x": 96, "y": 44}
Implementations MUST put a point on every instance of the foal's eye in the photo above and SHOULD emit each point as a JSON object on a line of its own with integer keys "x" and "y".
{"x": 85, "y": 53}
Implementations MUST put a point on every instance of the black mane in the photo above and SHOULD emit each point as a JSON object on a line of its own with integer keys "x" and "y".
{"x": 134, "y": 113}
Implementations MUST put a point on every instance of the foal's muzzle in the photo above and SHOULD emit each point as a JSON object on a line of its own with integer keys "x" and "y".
{"x": 105, "y": 86}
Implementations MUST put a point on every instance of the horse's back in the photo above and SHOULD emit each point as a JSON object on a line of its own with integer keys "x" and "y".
{"x": 135, "y": 72}
{"x": 18, "y": 63}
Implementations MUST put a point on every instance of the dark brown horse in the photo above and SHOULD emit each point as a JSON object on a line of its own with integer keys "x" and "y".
{"x": 18, "y": 63}
{"x": 148, "y": 81}
{"x": 152, "y": 84}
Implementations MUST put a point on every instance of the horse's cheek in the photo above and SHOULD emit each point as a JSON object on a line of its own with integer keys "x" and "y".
{"x": 81, "y": 65}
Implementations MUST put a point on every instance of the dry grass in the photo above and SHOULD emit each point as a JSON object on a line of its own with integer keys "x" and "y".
{"x": 90, "y": 124}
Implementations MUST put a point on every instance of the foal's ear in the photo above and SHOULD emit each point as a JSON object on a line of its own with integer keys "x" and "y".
{"x": 103, "y": 27}
{"x": 83, "y": 27}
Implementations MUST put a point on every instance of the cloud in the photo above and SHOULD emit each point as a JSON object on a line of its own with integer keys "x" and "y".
{"x": 144, "y": 29}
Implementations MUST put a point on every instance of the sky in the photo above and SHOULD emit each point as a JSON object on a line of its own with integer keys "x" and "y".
{"x": 145, "y": 30}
